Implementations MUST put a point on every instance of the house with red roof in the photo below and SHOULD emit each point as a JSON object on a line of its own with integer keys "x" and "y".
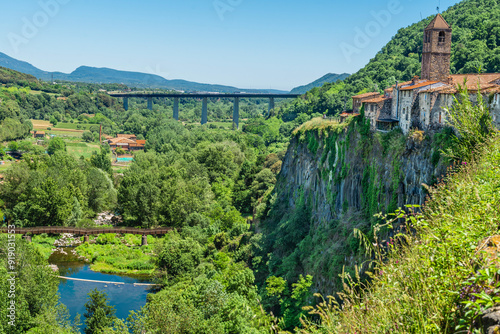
{"x": 127, "y": 142}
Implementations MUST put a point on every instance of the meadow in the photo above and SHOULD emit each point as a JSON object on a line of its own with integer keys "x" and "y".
{"x": 78, "y": 149}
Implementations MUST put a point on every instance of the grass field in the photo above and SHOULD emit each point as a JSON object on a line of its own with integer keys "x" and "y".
{"x": 79, "y": 149}
{"x": 41, "y": 125}
{"x": 65, "y": 133}
{"x": 74, "y": 126}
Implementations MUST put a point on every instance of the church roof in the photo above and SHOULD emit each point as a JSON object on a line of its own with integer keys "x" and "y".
{"x": 438, "y": 23}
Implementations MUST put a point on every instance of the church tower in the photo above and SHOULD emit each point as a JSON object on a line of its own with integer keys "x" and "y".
{"x": 437, "y": 50}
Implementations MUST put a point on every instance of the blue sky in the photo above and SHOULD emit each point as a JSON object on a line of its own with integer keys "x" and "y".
{"x": 244, "y": 43}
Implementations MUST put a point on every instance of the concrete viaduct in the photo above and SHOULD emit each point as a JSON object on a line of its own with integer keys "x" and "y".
{"x": 85, "y": 232}
{"x": 205, "y": 97}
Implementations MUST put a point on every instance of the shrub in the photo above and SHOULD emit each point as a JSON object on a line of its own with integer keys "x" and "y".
{"x": 472, "y": 123}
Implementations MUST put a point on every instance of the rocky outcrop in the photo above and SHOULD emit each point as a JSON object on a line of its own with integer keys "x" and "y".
{"x": 346, "y": 178}
{"x": 396, "y": 172}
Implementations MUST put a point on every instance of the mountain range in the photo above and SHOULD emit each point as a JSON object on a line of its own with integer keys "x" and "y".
{"x": 143, "y": 80}
{"x": 328, "y": 78}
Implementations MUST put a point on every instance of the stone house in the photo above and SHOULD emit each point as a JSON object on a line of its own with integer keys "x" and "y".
{"x": 421, "y": 102}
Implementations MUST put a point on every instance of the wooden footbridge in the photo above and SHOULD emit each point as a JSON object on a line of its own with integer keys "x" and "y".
{"x": 85, "y": 232}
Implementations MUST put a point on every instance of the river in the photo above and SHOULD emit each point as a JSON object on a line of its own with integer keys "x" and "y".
{"x": 124, "y": 297}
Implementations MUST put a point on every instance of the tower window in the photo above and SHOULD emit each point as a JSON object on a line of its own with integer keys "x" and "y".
{"x": 427, "y": 37}
{"x": 441, "y": 37}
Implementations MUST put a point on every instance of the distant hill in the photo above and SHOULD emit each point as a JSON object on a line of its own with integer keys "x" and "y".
{"x": 131, "y": 79}
{"x": 10, "y": 76}
{"x": 330, "y": 78}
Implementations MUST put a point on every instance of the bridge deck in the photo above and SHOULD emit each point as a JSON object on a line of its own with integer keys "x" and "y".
{"x": 201, "y": 95}
{"x": 86, "y": 231}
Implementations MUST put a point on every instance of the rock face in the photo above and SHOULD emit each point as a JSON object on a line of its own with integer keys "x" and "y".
{"x": 346, "y": 178}
{"x": 396, "y": 175}
{"x": 491, "y": 321}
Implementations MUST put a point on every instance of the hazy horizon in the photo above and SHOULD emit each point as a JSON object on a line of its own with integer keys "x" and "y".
{"x": 241, "y": 43}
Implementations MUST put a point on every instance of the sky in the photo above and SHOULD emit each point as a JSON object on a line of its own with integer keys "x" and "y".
{"x": 261, "y": 44}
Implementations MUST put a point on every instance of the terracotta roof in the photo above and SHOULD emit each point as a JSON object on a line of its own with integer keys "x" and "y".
{"x": 377, "y": 99}
{"x": 123, "y": 135}
{"x": 141, "y": 142}
{"x": 121, "y": 141}
{"x": 485, "y": 87}
{"x": 39, "y": 132}
{"x": 438, "y": 23}
{"x": 419, "y": 85}
{"x": 347, "y": 114}
{"x": 360, "y": 96}
{"x": 473, "y": 79}
{"x": 450, "y": 90}
{"x": 401, "y": 84}
{"x": 494, "y": 90}
{"x": 439, "y": 89}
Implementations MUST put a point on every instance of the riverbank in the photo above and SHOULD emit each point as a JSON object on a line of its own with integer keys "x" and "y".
{"x": 107, "y": 253}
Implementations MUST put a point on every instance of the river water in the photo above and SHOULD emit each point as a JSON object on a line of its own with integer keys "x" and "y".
{"x": 124, "y": 297}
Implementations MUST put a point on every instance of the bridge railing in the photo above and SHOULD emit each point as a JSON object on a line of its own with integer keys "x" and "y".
{"x": 86, "y": 231}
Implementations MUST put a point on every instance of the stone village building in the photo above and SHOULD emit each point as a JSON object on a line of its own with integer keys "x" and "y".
{"x": 419, "y": 103}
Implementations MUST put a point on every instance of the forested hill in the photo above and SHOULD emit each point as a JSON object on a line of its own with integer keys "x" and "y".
{"x": 10, "y": 76}
{"x": 475, "y": 44}
{"x": 330, "y": 77}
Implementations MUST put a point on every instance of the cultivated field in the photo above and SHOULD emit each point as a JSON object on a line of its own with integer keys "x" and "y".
{"x": 41, "y": 125}
{"x": 74, "y": 126}
{"x": 79, "y": 149}
{"x": 57, "y": 130}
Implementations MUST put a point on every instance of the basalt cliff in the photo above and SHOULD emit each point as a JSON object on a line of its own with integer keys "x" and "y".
{"x": 335, "y": 179}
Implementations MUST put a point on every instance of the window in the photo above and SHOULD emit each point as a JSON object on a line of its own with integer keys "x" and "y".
{"x": 427, "y": 37}
{"x": 441, "y": 37}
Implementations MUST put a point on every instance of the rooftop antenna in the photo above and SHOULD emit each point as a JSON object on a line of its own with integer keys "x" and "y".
{"x": 437, "y": 8}
{"x": 421, "y": 18}
{"x": 439, "y": 5}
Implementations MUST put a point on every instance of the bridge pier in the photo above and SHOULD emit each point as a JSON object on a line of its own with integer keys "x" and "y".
{"x": 144, "y": 240}
{"x": 271, "y": 105}
{"x": 204, "y": 111}
{"x": 150, "y": 103}
{"x": 176, "y": 108}
{"x": 236, "y": 113}
{"x": 86, "y": 238}
{"x": 125, "y": 103}
{"x": 27, "y": 238}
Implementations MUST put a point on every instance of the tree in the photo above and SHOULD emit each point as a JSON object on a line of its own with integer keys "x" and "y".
{"x": 99, "y": 316}
{"x": 120, "y": 151}
{"x": 88, "y": 136}
{"x": 102, "y": 161}
{"x": 56, "y": 144}
{"x": 180, "y": 256}
{"x": 53, "y": 120}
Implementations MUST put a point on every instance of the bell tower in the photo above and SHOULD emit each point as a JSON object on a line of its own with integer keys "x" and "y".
{"x": 436, "y": 51}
